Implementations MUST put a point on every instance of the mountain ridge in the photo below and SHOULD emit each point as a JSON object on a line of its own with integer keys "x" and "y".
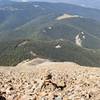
{"x": 83, "y": 3}
{"x": 50, "y": 80}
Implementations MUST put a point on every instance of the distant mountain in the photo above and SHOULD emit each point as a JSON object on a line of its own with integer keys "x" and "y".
{"x": 5, "y": 1}
{"x": 84, "y": 3}
{"x": 57, "y": 31}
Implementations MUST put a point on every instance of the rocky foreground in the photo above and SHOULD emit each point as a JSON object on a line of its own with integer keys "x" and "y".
{"x": 44, "y": 80}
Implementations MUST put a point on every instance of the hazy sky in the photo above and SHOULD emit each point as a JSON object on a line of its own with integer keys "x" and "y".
{"x": 43, "y": 0}
{"x": 63, "y": 0}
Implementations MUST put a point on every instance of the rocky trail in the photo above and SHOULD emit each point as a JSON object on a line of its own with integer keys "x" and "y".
{"x": 44, "y": 80}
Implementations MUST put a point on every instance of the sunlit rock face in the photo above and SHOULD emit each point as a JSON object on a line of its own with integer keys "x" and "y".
{"x": 66, "y": 16}
{"x": 79, "y": 39}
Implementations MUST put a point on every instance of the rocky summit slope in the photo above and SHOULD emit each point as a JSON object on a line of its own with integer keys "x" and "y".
{"x": 41, "y": 79}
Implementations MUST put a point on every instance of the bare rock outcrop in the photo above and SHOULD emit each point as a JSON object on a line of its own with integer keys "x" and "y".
{"x": 50, "y": 81}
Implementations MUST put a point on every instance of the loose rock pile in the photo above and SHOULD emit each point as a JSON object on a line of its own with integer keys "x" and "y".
{"x": 50, "y": 81}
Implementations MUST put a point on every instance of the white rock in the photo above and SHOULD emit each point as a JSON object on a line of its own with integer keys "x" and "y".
{"x": 49, "y": 28}
{"x": 66, "y": 16}
{"x": 36, "y": 6}
{"x": 44, "y": 31}
{"x": 78, "y": 40}
{"x": 58, "y": 46}
{"x": 83, "y": 33}
{"x": 84, "y": 37}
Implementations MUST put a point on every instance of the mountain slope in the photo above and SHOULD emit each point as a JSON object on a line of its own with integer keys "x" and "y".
{"x": 48, "y": 28}
{"x": 11, "y": 53}
{"x": 49, "y": 80}
{"x": 85, "y": 3}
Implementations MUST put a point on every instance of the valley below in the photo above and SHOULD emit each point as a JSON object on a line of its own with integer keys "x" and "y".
{"x": 42, "y": 79}
{"x": 56, "y": 31}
